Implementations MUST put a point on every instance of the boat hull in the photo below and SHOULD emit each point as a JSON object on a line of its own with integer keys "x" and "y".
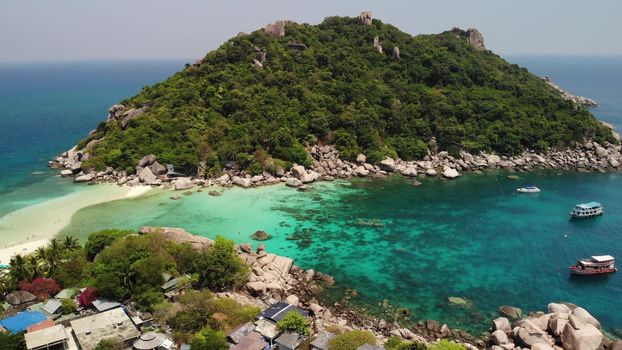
{"x": 591, "y": 272}
{"x": 525, "y": 190}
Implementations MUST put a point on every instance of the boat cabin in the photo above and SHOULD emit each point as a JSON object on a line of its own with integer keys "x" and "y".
{"x": 585, "y": 210}
{"x": 595, "y": 265}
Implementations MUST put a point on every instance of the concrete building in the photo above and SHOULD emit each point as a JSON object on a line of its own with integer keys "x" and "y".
{"x": 51, "y": 338}
{"x": 112, "y": 324}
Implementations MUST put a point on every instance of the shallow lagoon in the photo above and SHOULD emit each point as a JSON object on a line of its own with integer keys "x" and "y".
{"x": 474, "y": 238}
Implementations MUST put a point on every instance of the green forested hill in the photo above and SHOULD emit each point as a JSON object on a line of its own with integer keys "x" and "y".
{"x": 327, "y": 83}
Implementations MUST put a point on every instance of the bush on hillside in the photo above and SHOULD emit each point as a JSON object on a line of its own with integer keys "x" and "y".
{"x": 351, "y": 340}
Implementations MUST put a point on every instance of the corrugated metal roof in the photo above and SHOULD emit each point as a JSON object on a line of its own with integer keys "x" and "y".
{"x": 277, "y": 311}
{"x": 242, "y": 331}
{"x": 51, "y": 306}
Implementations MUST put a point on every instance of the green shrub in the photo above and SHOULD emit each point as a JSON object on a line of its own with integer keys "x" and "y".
{"x": 220, "y": 268}
{"x": 351, "y": 340}
{"x": 294, "y": 322}
{"x": 11, "y": 341}
{"x": 445, "y": 344}
{"x": 209, "y": 339}
{"x": 397, "y": 343}
{"x": 97, "y": 241}
{"x": 68, "y": 306}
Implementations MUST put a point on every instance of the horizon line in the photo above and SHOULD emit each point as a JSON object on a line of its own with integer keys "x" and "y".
{"x": 191, "y": 60}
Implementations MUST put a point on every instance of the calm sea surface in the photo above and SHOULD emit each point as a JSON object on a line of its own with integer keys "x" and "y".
{"x": 414, "y": 247}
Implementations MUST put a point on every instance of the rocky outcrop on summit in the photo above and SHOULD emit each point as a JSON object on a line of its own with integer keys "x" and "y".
{"x": 475, "y": 39}
{"x": 277, "y": 29}
{"x": 577, "y": 100}
{"x": 366, "y": 18}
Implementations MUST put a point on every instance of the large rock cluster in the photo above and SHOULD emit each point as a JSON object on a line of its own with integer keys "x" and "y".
{"x": 327, "y": 165}
{"x": 366, "y": 18}
{"x": 119, "y": 112}
{"x": 475, "y": 39}
{"x": 577, "y": 100}
{"x": 277, "y": 29}
{"x": 565, "y": 326}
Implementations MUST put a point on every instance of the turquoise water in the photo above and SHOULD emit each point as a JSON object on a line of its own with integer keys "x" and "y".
{"x": 474, "y": 238}
{"x": 413, "y": 246}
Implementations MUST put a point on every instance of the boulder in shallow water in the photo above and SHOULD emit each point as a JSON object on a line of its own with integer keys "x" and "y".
{"x": 510, "y": 311}
{"x": 260, "y": 236}
{"x": 450, "y": 173}
{"x": 293, "y": 182}
{"x": 458, "y": 301}
{"x": 241, "y": 181}
{"x": 183, "y": 183}
{"x": 84, "y": 178}
{"x": 66, "y": 172}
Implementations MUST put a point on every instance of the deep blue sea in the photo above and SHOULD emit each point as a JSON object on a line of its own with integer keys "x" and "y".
{"x": 394, "y": 243}
{"x": 46, "y": 108}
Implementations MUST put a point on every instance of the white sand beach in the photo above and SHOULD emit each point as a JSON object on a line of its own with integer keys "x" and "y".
{"x": 26, "y": 229}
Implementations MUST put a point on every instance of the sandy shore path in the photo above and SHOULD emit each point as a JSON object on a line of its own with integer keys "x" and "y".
{"x": 26, "y": 229}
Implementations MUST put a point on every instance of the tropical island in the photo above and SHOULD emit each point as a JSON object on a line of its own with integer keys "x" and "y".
{"x": 295, "y": 103}
{"x": 261, "y": 100}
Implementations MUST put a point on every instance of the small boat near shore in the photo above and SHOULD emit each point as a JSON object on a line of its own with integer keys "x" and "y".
{"x": 586, "y": 210}
{"x": 596, "y": 265}
{"x": 528, "y": 189}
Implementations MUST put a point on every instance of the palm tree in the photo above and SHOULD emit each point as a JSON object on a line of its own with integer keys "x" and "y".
{"x": 70, "y": 244}
{"x": 19, "y": 270}
{"x": 35, "y": 266}
{"x": 40, "y": 253}
{"x": 53, "y": 255}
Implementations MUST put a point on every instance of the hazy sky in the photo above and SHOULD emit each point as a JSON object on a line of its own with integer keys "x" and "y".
{"x": 97, "y": 29}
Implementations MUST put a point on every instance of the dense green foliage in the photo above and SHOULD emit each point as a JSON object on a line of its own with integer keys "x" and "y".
{"x": 209, "y": 339}
{"x": 351, "y": 340}
{"x": 445, "y": 344}
{"x": 97, "y": 241}
{"x": 11, "y": 341}
{"x": 341, "y": 90}
{"x": 294, "y": 322}
{"x": 220, "y": 268}
{"x": 196, "y": 310}
{"x": 397, "y": 343}
{"x": 68, "y": 306}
